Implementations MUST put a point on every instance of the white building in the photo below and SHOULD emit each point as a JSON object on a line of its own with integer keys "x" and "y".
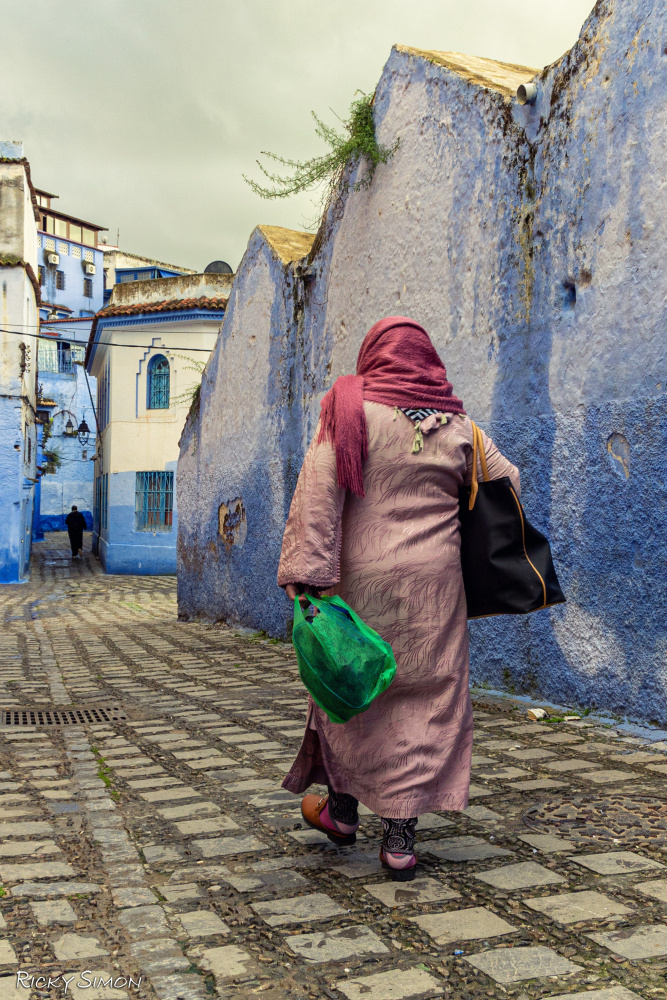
{"x": 71, "y": 251}
{"x": 72, "y": 288}
{"x": 147, "y": 349}
{"x": 19, "y": 321}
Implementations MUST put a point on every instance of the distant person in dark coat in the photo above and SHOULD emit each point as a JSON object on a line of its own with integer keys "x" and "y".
{"x": 76, "y": 525}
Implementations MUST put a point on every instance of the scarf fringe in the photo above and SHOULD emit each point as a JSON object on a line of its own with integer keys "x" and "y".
{"x": 327, "y": 420}
{"x": 348, "y": 461}
{"x": 350, "y": 473}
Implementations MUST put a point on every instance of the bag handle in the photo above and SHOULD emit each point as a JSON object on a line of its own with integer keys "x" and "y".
{"x": 299, "y": 616}
{"x": 477, "y": 447}
{"x": 324, "y": 602}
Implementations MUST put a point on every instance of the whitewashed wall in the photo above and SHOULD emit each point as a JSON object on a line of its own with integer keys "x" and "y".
{"x": 530, "y": 242}
{"x": 18, "y": 362}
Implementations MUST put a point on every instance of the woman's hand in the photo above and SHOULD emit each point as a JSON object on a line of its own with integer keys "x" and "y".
{"x": 302, "y": 590}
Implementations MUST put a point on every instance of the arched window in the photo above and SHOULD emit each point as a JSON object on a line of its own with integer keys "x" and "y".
{"x": 157, "y": 389}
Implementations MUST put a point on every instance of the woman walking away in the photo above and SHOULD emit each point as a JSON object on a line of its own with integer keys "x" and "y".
{"x": 374, "y": 519}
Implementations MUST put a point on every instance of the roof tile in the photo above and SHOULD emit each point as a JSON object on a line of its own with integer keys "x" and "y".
{"x": 168, "y": 305}
{"x": 216, "y": 304}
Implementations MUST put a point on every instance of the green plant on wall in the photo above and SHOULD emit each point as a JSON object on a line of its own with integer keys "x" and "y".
{"x": 47, "y": 429}
{"x": 191, "y": 394}
{"x": 347, "y": 148}
{"x": 53, "y": 460}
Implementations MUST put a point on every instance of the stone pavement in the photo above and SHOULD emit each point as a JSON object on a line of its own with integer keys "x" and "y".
{"x": 160, "y": 846}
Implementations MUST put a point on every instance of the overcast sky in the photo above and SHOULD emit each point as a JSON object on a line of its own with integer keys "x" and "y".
{"x": 142, "y": 115}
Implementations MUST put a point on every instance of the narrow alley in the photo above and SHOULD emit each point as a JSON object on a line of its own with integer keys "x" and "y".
{"x": 144, "y": 832}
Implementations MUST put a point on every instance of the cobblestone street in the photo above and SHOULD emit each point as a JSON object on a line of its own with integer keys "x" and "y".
{"x": 159, "y": 844}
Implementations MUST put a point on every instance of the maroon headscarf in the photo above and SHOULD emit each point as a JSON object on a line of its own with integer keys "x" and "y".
{"x": 397, "y": 365}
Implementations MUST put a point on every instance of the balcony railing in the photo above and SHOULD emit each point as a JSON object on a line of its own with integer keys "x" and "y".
{"x": 58, "y": 359}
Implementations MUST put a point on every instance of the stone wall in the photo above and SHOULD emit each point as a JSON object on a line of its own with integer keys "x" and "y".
{"x": 184, "y": 286}
{"x": 529, "y": 241}
{"x": 242, "y": 452}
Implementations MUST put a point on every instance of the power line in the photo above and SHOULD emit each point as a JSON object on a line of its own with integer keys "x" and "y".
{"x": 105, "y": 343}
{"x": 81, "y": 319}
{"x": 46, "y": 322}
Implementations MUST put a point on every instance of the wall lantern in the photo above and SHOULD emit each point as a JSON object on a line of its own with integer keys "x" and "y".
{"x": 527, "y": 93}
{"x": 83, "y": 432}
{"x": 69, "y": 428}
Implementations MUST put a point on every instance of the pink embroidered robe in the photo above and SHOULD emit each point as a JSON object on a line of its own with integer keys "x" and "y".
{"x": 393, "y": 555}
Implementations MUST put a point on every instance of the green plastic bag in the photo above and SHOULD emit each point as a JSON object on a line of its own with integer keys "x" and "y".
{"x": 344, "y": 664}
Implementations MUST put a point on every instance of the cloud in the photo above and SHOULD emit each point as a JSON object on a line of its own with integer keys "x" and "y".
{"x": 143, "y": 114}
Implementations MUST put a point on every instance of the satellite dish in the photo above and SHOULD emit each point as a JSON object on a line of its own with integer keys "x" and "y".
{"x": 218, "y": 267}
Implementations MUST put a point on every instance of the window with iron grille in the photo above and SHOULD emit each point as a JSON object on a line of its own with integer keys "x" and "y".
{"x": 136, "y": 275}
{"x": 154, "y": 501}
{"x": 60, "y": 280}
{"x": 88, "y": 288}
{"x": 42, "y": 276}
{"x": 157, "y": 383}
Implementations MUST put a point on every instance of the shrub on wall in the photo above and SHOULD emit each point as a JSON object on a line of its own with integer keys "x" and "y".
{"x": 347, "y": 148}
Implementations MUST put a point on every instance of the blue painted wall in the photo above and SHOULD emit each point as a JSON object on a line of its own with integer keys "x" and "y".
{"x": 120, "y": 547}
{"x": 227, "y": 456}
{"x": 56, "y": 522}
{"x": 16, "y": 498}
{"x": 37, "y": 530}
{"x": 73, "y": 481}
{"x": 530, "y": 242}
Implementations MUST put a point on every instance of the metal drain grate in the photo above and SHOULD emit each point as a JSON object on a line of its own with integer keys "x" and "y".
{"x": 61, "y": 716}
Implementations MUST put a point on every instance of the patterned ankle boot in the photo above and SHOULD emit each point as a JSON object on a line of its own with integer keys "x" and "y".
{"x": 397, "y": 853}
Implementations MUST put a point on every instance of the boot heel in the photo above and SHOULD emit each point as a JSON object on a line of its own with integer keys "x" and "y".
{"x": 402, "y": 875}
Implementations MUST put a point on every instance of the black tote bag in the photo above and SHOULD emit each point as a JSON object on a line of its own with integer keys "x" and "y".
{"x": 506, "y": 562}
